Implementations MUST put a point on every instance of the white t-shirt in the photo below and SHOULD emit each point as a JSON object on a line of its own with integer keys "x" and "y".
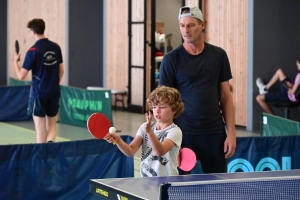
{"x": 166, "y": 165}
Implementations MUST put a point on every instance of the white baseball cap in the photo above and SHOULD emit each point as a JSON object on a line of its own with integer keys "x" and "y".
{"x": 194, "y": 12}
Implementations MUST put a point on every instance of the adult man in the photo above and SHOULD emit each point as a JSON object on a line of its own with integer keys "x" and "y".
{"x": 44, "y": 58}
{"x": 201, "y": 73}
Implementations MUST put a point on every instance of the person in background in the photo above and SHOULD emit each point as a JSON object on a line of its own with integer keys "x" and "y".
{"x": 201, "y": 73}
{"x": 287, "y": 92}
{"x": 45, "y": 61}
{"x": 161, "y": 139}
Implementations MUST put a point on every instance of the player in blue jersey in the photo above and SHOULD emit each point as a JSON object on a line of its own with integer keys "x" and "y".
{"x": 44, "y": 59}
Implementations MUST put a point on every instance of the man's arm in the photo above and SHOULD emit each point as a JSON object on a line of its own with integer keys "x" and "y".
{"x": 228, "y": 115}
{"x": 21, "y": 72}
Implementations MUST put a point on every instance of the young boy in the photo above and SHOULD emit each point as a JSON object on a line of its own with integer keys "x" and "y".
{"x": 161, "y": 139}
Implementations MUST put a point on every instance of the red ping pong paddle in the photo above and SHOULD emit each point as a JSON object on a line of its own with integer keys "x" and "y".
{"x": 186, "y": 159}
{"x": 17, "y": 47}
{"x": 98, "y": 125}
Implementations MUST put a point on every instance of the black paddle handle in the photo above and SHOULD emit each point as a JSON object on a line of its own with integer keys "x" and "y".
{"x": 17, "y": 47}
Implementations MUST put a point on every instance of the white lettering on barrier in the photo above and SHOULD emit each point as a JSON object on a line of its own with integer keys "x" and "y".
{"x": 268, "y": 162}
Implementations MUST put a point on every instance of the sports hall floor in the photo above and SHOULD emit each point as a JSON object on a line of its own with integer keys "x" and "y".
{"x": 128, "y": 123}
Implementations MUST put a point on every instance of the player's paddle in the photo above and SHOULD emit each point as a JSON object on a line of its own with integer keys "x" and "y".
{"x": 17, "y": 47}
{"x": 98, "y": 125}
{"x": 186, "y": 159}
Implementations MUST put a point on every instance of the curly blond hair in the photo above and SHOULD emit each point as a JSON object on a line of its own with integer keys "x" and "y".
{"x": 168, "y": 95}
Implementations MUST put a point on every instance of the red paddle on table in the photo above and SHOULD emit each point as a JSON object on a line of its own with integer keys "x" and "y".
{"x": 99, "y": 125}
{"x": 186, "y": 159}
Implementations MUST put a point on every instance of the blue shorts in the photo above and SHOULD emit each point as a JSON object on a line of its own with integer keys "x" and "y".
{"x": 278, "y": 96}
{"x": 43, "y": 107}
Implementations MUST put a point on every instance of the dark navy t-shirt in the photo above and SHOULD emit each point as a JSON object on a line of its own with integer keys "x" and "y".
{"x": 197, "y": 78}
{"x": 44, "y": 58}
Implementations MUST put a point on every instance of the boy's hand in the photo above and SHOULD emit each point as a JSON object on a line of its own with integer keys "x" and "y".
{"x": 148, "y": 122}
{"x": 112, "y": 138}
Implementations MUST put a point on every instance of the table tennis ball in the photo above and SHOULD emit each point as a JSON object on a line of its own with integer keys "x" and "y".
{"x": 112, "y": 130}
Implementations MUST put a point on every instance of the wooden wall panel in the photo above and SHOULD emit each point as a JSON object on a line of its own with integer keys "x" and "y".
{"x": 117, "y": 44}
{"x": 137, "y": 45}
{"x": 117, "y": 47}
{"x": 148, "y": 52}
{"x": 137, "y": 53}
{"x": 137, "y": 59}
{"x": 137, "y": 10}
{"x": 52, "y": 12}
{"x": 226, "y": 26}
{"x": 136, "y": 86}
{"x": 191, "y": 2}
{"x": 137, "y": 37}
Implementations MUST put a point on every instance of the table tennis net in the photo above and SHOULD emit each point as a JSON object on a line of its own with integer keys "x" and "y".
{"x": 267, "y": 188}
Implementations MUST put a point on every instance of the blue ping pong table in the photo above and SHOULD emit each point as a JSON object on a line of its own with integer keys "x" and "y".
{"x": 154, "y": 188}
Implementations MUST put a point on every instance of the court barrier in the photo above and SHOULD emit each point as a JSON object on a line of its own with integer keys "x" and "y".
{"x": 13, "y": 104}
{"x": 59, "y": 170}
{"x": 76, "y": 104}
{"x": 265, "y": 154}
{"x": 16, "y": 82}
{"x": 272, "y": 125}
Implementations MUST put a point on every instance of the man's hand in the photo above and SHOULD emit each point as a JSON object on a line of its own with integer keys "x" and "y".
{"x": 17, "y": 58}
{"x": 21, "y": 72}
{"x": 229, "y": 146}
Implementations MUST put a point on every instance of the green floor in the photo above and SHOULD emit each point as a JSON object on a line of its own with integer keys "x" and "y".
{"x": 11, "y": 134}
{"x": 16, "y": 134}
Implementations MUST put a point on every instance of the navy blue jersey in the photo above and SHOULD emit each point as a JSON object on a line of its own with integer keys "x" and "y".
{"x": 197, "y": 78}
{"x": 44, "y": 58}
